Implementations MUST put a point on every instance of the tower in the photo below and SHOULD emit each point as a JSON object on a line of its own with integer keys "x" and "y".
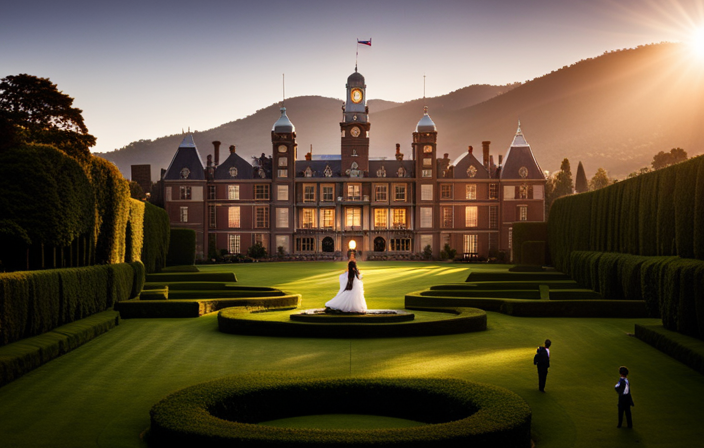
{"x": 354, "y": 128}
{"x": 283, "y": 140}
{"x": 425, "y": 140}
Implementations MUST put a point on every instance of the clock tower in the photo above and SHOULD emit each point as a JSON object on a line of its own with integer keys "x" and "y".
{"x": 354, "y": 128}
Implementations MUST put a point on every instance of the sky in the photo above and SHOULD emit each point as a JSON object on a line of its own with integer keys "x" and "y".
{"x": 145, "y": 69}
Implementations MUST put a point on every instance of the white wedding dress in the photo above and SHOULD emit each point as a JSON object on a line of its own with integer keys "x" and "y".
{"x": 351, "y": 301}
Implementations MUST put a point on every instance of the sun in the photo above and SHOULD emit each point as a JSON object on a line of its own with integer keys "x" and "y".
{"x": 697, "y": 41}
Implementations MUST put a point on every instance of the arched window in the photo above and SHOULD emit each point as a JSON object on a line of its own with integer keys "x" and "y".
{"x": 328, "y": 244}
{"x": 379, "y": 244}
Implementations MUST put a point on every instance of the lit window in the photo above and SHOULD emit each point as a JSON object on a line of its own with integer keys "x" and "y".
{"x": 447, "y": 217}
{"x": 354, "y": 192}
{"x": 328, "y": 193}
{"x": 184, "y": 214}
{"x": 283, "y": 161}
{"x": 305, "y": 244}
{"x": 426, "y": 217}
{"x": 471, "y": 191}
{"x": 427, "y": 173}
{"x": 400, "y": 192}
{"x": 399, "y": 218}
{"x": 446, "y": 191}
{"x": 400, "y": 244}
{"x": 426, "y": 192}
{"x": 327, "y": 218}
{"x": 471, "y": 216}
{"x": 233, "y": 217}
{"x": 471, "y": 244}
{"x": 233, "y": 244}
{"x": 427, "y": 162}
{"x": 522, "y": 192}
{"x": 354, "y": 217}
{"x": 309, "y": 193}
{"x": 233, "y": 192}
{"x": 282, "y": 172}
{"x": 282, "y": 241}
{"x": 381, "y": 193}
{"x": 282, "y": 192}
{"x": 185, "y": 193}
{"x": 381, "y": 218}
{"x": 493, "y": 191}
{"x": 261, "y": 217}
{"x": 281, "y": 217}
{"x": 308, "y": 217}
{"x": 523, "y": 213}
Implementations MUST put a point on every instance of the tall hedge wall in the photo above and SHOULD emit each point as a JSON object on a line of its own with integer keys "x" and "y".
{"x": 157, "y": 234}
{"x": 640, "y": 238}
{"x": 529, "y": 232}
{"x": 134, "y": 231}
{"x": 34, "y": 302}
{"x": 182, "y": 247}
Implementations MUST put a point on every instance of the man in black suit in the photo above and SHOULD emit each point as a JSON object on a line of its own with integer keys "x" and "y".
{"x": 542, "y": 360}
{"x": 625, "y": 401}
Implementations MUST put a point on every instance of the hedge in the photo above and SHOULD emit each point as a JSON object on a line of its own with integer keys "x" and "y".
{"x": 134, "y": 231}
{"x": 528, "y": 231}
{"x": 685, "y": 349}
{"x": 225, "y": 412}
{"x": 466, "y": 320}
{"x": 34, "y": 302}
{"x": 534, "y": 253}
{"x": 195, "y": 308}
{"x": 156, "y": 238}
{"x": 182, "y": 247}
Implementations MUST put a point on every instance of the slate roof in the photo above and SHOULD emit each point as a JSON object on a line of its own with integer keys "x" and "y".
{"x": 463, "y": 164}
{"x": 244, "y": 169}
{"x": 520, "y": 155}
{"x": 391, "y": 167}
{"x": 318, "y": 167}
{"x": 187, "y": 157}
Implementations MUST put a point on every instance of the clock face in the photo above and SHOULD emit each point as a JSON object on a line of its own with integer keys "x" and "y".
{"x": 427, "y": 149}
{"x": 282, "y": 148}
{"x": 355, "y": 132}
{"x": 356, "y": 95}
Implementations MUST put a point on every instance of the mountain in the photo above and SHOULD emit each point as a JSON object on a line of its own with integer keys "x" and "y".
{"x": 613, "y": 111}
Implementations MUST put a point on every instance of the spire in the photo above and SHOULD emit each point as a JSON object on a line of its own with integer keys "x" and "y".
{"x": 283, "y": 124}
{"x": 518, "y": 132}
{"x": 519, "y": 139}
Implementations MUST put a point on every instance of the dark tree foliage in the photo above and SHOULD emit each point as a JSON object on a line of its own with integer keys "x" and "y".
{"x": 581, "y": 184}
{"x": 559, "y": 185}
{"x": 257, "y": 251}
{"x": 33, "y": 110}
{"x": 136, "y": 191}
{"x": 664, "y": 159}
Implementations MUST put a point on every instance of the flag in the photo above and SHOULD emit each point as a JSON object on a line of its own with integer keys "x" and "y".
{"x": 365, "y": 42}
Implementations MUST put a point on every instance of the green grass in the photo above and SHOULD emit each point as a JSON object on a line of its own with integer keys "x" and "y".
{"x": 99, "y": 395}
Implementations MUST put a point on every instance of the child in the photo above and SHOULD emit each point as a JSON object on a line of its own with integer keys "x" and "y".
{"x": 625, "y": 401}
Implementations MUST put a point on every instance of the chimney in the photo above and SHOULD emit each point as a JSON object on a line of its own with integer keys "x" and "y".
{"x": 399, "y": 155}
{"x": 501, "y": 159}
{"x": 309, "y": 156}
{"x": 216, "y": 151}
{"x": 446, "y": 155}
{"x": 470, "y": 149}
{"x": 232, "y": 149}
{"x": 210, "y": 160}
{"x": 485, "y": 151}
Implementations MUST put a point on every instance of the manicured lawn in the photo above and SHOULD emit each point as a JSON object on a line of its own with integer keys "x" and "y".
{"x": 101, "y": 393}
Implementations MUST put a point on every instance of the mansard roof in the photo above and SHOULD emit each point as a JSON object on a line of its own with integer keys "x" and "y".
{"x": 464, "y": 170}
{"x": 520, "y": 162}
{"x": 390, "y": 168}
{"x": 242, "y": 168}
{"x": 317, "y": 168}
{"x": 186, "y": 164}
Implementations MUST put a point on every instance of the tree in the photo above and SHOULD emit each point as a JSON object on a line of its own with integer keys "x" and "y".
{"x": 600, "y": 180}
{"x": 257, "y": 251}
{"x": 560, "y": 184}
{"x": 581, "y": 184}
{"x": 136, "y": 191}
{"x": 33, "y": 110}
{"x": 664, "y": 159}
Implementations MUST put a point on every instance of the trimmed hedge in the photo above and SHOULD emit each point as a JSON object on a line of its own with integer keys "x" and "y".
{"x": 20, "y": 357}
{"x": 529, "y": 231}
{"x": 467, "y": 320}
{"x": 169, "y": 277}
{"x": 156, "y": 232}
{"x": 534, "y": 253}
{"x": 34, "y": 302}
{"x": 134, "y": 231}
{"x": 196, "y": 308}
{"x": 182, "y": 247}
{"x": 685, "y": 349}
{"x": 224, "y": 413}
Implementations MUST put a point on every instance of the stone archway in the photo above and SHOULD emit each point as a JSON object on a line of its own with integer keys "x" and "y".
{"x": 328, "y": 244}
{"x": 379, "y": 244}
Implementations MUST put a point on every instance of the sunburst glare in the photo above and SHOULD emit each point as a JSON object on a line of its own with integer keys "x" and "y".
{"x": 697, "y": 42}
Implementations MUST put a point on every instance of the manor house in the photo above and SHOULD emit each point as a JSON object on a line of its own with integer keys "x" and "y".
{"x": 391, "y": 207}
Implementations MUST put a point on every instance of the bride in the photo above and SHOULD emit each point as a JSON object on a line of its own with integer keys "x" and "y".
{"x": 350, "y": 298}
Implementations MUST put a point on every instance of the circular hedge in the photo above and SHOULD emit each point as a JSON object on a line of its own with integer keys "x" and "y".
{"x": 318, "y": 315}
{"x": 225, "y": 412}
{"x": 464, "y": 320}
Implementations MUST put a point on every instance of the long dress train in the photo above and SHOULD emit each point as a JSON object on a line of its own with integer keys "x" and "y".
{"x": 351, "y": 301}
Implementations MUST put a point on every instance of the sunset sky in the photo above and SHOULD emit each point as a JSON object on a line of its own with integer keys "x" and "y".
{"x": 145, "y": 69}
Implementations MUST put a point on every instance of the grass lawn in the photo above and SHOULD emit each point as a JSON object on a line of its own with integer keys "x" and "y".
{"x": 100, "y": 394}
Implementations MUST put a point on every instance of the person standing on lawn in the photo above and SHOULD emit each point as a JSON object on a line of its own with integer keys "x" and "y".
{"x": 542, "y": 360}
{"x": 625, "y": 401}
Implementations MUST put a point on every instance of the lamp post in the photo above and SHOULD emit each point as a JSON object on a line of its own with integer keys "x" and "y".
{"x": 352, "y": 249}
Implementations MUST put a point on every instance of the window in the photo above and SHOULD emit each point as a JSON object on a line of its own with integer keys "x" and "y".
{"x": 400, "y": 244}
{"x": 400, "y": 192}
{"x": 185, "y": 193}
{"x": 381, "y": 193}
{"x": 426, "y": 240}
{"x": 446, "y": 191}
{"x": 211, "y": 191}
{"x": 471, "y": 244}
{"x": 426, "y": 217}
{"x": 354, "y": 217}
{"x": 509, "y": 192}
{"x": 212, "y": 216}
{"x": 427, "y": 162}
{"x": 305, "y": 244}
{"x": 426, "y": 192}
{"x": 184, "y": 214}
{"x": 308, "y": 218}
{"x": 283, "y": 161}
{"x": 282, "y": 241}
{"x": 261, "y": 192}
{"x": 327, "y": 218}
{"x": 523, "y": 213}
{"x": 260, "y": 238}
{"x": 282, "y": 192}
{"x": 537, "y": 192}
{"x": 427, "y": 173}
{"x": 447, "y": 217}
{"x": 381, "y": 218}
{"x": 470, "y": 216}
{"x": 233, "y": 217}
{"x": 471, "y": 191}
{"x": 309, "y": 193}
{"x": 522, "y": 192}
{"x": 327, "y": 193}
{"x": 233, "y": 244}
{"x": 233, "y": 192}
{"x": 261, "y": 217}
{"x": 493, "y": 191}
{"x": 281, "y": 217}
{"x": 510, "y": 238}
{"x": 494, "y": 217}
{"x": 399, "y": 218}
{"x": 282, "y": 172}
{"x": 354, "y": 192}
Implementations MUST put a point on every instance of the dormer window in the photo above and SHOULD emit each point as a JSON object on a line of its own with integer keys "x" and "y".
{"x": 308, "y": 172}
{"x": 185, "y": 173}
{"x": 233, "y": 172}
{"x": 381, "y": 172}
{"x": 328, "y": 171}
{"x": 401, "y": 172}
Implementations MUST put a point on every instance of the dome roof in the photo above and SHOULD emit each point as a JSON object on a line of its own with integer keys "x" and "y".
{"x": 355, "y": 79}
{"x": 283, "y": 124}
{"x": 426, "y": 124}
